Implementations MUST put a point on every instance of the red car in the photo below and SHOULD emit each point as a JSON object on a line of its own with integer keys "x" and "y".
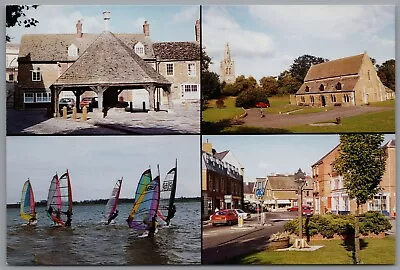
{"x": 89, "y": 102}
{"x": 262, "y": 105}
{"x": 227, "y": 217}
{"x": 307, "y": 210}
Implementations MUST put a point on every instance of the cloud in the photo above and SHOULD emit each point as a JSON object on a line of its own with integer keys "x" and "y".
{"x": 187, "y": 14}
{"x": 138, "y": 25}
{"x": 331, "y": 22}
{"x": 219, "y": 27}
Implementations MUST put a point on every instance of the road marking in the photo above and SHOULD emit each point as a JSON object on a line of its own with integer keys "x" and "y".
{"x": 247, "y": 240}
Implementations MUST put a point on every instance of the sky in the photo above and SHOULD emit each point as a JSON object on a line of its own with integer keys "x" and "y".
{"x": 96, "y": 163}
{"x": 167, "y": 23}
{"x": 276, "y": 154}
{"x": 265, "y": 40}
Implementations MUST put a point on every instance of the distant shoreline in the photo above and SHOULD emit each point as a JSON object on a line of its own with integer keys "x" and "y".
{"x": 104, "y": 201}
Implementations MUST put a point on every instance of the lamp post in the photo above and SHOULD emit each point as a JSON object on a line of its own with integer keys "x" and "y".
{"x": 300, "y": 180}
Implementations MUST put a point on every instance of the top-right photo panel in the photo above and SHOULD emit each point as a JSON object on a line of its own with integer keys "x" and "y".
{"x": 298, "y": 69}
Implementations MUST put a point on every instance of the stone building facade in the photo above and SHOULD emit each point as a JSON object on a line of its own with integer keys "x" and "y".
{"x": 227, "y": 67}
{"x": 330, "y": 195}
{"x": 349, "y": 81}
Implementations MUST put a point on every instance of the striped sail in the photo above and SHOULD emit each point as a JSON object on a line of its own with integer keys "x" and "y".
{"x": 146, "y": 201}
{"x": 113, "y": 200}
{"x": 60, "y": 197}
{"x": 168, "y": 190}
{"x": 27, "y": 207}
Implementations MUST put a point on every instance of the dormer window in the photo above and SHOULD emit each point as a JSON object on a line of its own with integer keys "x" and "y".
{"x": 338, "y": 86}
{"x": 307, "y": 89}
{"x": 72, "y": 50}
{"x": 139, "y": 49}
{"x": 321, "y": 87}
{"x": 36, "y": 75}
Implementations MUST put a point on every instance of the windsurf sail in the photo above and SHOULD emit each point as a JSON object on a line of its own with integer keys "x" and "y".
{"x": 168, "y": 191}
{"x": 59, "y": 199}
{"x": 146, "y": 204}
{"x": 27, "y": 207}
{"x": 113, "y": 200}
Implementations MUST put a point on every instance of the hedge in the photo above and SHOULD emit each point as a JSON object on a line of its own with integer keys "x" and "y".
{"x": 330, "y": 224}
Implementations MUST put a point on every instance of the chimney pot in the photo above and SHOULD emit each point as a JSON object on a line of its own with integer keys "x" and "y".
{"x": 146, "y": 29}
{"x": 79, "y": 29}
{"x": 106, "y": 17}
{"x": 197, "y": 31}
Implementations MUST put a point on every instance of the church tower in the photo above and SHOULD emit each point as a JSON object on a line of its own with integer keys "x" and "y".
{"x": 227, "y": 72}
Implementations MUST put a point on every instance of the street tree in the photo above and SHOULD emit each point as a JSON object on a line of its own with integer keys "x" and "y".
{"x": 270, "y": 85}
{"x": 361, "y": 162}
{"x": 16, "y": 15}
{"x": 387, "y": 73}
{"x": 302, "y": 64}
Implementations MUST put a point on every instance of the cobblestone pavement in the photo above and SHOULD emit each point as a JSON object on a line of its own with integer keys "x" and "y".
{"x": 184, "y": 118}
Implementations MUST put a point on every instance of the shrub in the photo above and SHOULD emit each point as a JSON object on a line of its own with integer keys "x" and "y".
{"x": 250, "y": 97}
{"x": 374, "y": 222}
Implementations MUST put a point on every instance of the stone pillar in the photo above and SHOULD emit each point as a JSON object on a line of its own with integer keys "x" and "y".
{"x": 151, "y": 89}
{"x": 57, "y": 92}
{"x": 170, "y": 104}
{"x": 100, "y": 92}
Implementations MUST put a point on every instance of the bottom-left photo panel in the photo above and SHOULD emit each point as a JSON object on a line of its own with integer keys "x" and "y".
{"x": 103, "y": 200}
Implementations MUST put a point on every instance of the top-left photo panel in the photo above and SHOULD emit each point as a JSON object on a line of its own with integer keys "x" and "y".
{"x": 102, "y": 70}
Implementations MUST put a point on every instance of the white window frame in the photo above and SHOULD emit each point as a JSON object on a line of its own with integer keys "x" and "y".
{"x": 189, "y": 87}
{"x": 166, "y": 69}
{"x": 43, "y": 97}
{"x": 34, "y": 78}
{"x": 139, "y": 49}
{"x": 191, "y": 72}
{"x": 72, "y": 50}
{"x": 29, "y": 99}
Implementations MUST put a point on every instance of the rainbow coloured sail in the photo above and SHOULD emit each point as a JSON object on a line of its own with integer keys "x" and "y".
{"x": 60, "y": 198}
{"x": 146, "y": 201}
{"x": 168, "y": 190}
{"x": 27, "y": 207}
{"x": 113, "y": 200}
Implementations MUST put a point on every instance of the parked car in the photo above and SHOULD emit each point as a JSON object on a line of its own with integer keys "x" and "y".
{"x": 242, "y": 213}
{"x": 67, "y": 102}
{"x": 262, "y": 104}
{"x": 307, "y": 210}
{"x": 89, "y": 102}
{"x": 227, "y": 217}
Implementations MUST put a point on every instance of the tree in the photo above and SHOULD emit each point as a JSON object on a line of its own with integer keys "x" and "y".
{"x": 210, "y": 86}
{"x": 387, "y": 73}
{"x": 270, "y": 85}
{"x": 302, "y": 64}
{"x": 361, "y": 162}
{"x": 205, "y": 61}
{"x": 287, "y": 84}
{"x": 251, "y": 96}
{"x": 242, "y": 84}
{"x": 15, "y": 15}
{"x": 228, "y": 89}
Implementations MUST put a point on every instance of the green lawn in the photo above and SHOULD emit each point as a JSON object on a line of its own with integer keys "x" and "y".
{"x": 386, "y": 103}
{"x": 213, "y": 114}
{"x": 374, "y": 251}
{"x": 371, "y": 122}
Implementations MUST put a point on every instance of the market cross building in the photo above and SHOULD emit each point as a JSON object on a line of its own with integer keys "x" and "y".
{"x": 349, "y": 81}
{"x": 110, "y": 66}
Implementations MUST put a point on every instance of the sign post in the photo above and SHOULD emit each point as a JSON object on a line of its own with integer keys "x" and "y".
{"x": 260, "y": 195}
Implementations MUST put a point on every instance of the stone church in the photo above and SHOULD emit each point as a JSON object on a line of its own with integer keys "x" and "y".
{"x": 227, "y": 72}
{"x": 349, "y": 81}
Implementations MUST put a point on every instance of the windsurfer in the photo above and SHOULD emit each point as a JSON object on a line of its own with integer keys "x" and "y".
{"x": 171, "y": 214}
{"x": 152, "y": 225}
{"x": 112, "y": 217}
{"x": 69, "y": 219}
{"x": 32, "y": 220}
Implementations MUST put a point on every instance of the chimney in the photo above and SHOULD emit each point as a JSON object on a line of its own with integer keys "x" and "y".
{"x": 197, "y": 31}
{"x": 146, "y": 29}
{"x": 79, "y": 29}
{"x": 207, "y": 147}
{"x": 106, "y": 17}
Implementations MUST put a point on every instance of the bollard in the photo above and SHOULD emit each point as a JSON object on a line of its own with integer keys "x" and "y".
{"x": 240, "y": 221}
{"x": 74, "y": 113}
{"x": 64, "y": 112}
{"x": 84, "y": 114}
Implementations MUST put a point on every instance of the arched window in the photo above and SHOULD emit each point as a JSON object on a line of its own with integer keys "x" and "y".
{"x": 321, "y": 87}
{"x": 333, "y": 98}
{"x": 307, "y": 89}
{"x": 312, "y": 99}
{"x": 338, "y": 86}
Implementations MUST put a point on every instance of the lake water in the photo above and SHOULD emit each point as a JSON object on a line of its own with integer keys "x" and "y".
{"x": 88, "y": 242}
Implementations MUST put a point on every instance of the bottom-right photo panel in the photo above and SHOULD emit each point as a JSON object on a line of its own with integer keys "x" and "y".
{"x": 299, "y": 199}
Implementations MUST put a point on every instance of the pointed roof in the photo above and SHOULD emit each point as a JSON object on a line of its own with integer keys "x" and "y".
{"x": 177, "y": 51}
{"x": 335, "y": 68}
{"x": 108, "y": 60}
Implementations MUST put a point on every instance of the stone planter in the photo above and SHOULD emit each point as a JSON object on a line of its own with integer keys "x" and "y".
{"x": 278, "y": 244}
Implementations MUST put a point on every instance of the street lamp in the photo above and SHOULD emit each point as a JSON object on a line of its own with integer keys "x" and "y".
{"x": 300, "y": 180}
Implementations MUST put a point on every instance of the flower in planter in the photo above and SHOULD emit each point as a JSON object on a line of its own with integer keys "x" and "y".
{"x": 280, "y": 236}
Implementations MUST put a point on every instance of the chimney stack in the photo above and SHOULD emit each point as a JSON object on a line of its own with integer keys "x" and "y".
{"x": 146, "y": 29}
{"x": 106, "y": 17}
{"x": 197, "y": 31}
{"x": 79, "y": 29}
